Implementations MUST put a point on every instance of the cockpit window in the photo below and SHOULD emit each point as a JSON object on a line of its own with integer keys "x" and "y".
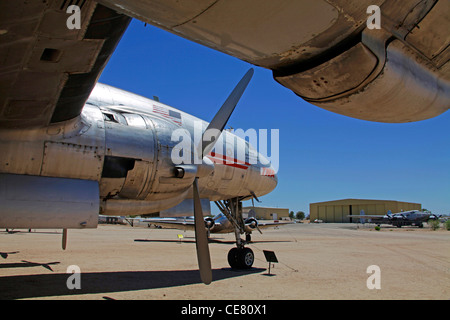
{"x": 112, "y": 116}
{"x": 109, "y": 117}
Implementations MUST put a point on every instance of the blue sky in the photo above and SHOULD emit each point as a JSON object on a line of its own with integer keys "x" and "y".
{"x": 323, "y": 156}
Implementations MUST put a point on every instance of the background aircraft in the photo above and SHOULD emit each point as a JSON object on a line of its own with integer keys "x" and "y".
{"x": 404, "y": 218}
{"x": 217, "y": 224}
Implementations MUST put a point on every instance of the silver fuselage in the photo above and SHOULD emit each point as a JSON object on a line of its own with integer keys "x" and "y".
{"x": 120, "y": 148}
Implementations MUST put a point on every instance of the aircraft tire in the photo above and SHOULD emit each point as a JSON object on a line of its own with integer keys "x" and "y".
{"x": 241, "y": 258}
{"x": 246, "y": 257}
{"x": 232, "y": 258}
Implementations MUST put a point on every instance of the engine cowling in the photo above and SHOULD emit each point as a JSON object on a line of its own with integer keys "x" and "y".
{"x": 209, "y": 223}
{"x": 139, "y": 171}
{"x": 252, "y": 223}
{"x": 47, "y": 202}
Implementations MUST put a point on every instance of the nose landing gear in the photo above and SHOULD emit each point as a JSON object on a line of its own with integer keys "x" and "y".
{"x": 239, "y": 257}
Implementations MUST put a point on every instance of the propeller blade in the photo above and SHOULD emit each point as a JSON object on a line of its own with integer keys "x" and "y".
{"x": 201, "y": 239}
{"x": 64, "y": 239}
{"x": 257, "y": 228}
{"x": 254, "y": 196}
{"x": 219, "y": 121}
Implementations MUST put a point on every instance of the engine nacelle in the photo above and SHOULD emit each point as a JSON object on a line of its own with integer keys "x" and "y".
{"x": 325, "y": 51}
{"x": 44, "y": 202}
{"x": 252, "y": 223}
{"x": 139, "y": 175}
{"x": 209, "y": 223}
{"x": 138, "y": 164}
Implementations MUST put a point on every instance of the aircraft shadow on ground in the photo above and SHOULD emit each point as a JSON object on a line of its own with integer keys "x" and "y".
{"x": 27, "y": 264}
{"x": 45, "y": 285}
{"x": 5, "y": 255}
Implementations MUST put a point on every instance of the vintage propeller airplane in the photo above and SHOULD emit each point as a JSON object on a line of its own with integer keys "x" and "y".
{"x": 65, "y": 158}
{"x": 399, "y": 219}
{"x": 117, "y": 158}
{"x": 72, "y": 148}
{"x": 217, "y": 224}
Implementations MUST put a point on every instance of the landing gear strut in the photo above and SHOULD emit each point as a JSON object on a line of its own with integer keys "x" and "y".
{"x": 239, "y": 257}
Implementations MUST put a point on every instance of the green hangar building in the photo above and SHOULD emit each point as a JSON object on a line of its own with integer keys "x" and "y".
{"x": 342, "y": 210}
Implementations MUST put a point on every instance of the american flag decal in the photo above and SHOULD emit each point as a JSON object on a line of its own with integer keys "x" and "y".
{"x": 169, "y": 114}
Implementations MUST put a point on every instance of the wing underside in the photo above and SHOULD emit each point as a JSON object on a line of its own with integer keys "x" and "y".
{"x": 324, "y": 50}
{"x": 321, "y": 50}
{"x": 48, "y": 70}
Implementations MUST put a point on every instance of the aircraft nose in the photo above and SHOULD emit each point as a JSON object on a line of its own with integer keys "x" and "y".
{"x": 269, "y": 179}
{"x": 274, "y": 179}
{"x": 267, "y": 173}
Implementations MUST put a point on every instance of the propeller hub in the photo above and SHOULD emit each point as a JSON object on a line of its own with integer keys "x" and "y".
{"x": 252, "y": 222}
{"x": 209, "y": 223}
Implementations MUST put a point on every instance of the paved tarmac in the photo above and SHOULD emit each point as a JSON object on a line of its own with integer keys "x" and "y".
{"x": 316, "y": 261}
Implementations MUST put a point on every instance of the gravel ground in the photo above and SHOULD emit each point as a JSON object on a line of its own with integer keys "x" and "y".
{"x": 316, "y": 261}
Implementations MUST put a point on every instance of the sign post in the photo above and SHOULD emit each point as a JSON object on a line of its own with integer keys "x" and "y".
{"x": 270, "y": 257}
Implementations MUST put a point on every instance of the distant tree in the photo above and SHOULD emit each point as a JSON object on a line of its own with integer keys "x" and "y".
{"x": 300, "y": 215}
{"x": 291, "y": 214}
{"x": 434, "y": 224}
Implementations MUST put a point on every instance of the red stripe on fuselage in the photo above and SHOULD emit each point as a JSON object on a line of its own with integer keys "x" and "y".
{"x": 228, "y": 161}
